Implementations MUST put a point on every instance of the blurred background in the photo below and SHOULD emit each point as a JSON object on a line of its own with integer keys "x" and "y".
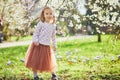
{"x": 86, "y": 17}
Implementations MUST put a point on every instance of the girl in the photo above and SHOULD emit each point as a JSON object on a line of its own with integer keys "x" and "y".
{"x": 40, "y": 56}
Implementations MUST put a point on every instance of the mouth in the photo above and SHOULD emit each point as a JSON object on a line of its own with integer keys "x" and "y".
{"x": 49, "y": 18}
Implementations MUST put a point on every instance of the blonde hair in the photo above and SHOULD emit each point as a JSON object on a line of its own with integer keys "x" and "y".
{"x": 42, "y": 14}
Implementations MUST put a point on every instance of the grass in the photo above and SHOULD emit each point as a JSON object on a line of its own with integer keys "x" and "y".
{"x": 79, "y": 59}
{"x": 14, "y": 38}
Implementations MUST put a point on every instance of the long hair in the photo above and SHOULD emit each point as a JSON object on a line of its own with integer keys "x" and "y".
{"x": 42, "y": 18}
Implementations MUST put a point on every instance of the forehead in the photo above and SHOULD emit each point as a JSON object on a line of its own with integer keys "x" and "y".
{"x": 48, "y": 10}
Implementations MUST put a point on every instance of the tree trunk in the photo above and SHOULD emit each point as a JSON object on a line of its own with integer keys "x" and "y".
{"x": 99, "y": 37}
{"x": 6, "y": 32}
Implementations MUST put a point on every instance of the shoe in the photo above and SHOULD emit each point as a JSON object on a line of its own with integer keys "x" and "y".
{"x": 54, "y": 78}
{"x": 37, "y": 78}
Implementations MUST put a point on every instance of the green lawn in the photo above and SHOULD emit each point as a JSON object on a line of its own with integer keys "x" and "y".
{"x": 79, "y": 59}
{"x": 14, "y": 38}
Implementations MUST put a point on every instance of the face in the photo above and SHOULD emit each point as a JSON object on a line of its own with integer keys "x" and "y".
{"x": 48, "y": 15}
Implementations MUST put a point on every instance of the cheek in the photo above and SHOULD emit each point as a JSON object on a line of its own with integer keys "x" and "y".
{"x": 45, "y": 15}
{"x": 51, "y": 16}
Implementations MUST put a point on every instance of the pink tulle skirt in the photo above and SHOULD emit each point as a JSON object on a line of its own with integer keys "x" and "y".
{"x": 40, "y": 58}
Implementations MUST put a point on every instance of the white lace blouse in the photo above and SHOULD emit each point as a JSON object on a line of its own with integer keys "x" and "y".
{"x": 45, "y": 33}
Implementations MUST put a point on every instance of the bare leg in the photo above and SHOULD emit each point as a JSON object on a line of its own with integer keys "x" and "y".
{"x": 36, "y": 77}
{"x": 35, "y": 73}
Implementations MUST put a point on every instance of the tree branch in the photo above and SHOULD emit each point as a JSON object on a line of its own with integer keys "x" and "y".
{"x": 46, "y": 2}
{"x": 33, "y": 4}
{"x": 61, "y": 4}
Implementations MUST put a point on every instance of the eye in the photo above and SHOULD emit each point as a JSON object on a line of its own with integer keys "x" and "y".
{"x": 46, "y": 13}
{"x": 50, "y": 13}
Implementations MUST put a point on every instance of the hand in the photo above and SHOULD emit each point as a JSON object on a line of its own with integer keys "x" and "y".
{"x": 36, "y": 43}
{"x": 54, "y": 48}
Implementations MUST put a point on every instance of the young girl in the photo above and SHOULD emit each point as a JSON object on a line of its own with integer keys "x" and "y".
{"x": 40, "y": 57}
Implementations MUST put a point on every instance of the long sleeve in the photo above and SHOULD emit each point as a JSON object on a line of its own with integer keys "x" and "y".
{"x": 54, "y": 38}
{"x": 36, "y": 32}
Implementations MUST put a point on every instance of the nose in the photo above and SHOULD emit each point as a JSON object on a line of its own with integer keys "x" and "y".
{"x": 49, "y": 17}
